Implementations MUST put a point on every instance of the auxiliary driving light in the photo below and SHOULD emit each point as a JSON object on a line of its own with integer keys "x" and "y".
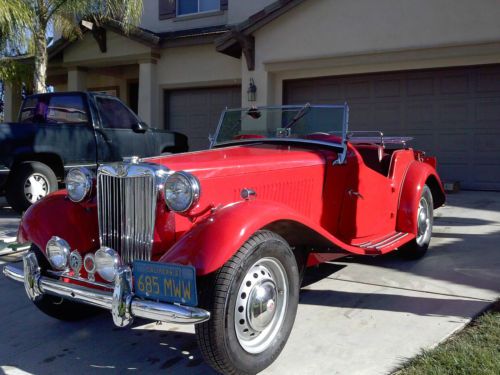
{"x": 58, "y": 251}
{"x": 106, "y": 263}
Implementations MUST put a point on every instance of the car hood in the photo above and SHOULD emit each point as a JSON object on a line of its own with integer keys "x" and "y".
{"x": 242, "y": 160}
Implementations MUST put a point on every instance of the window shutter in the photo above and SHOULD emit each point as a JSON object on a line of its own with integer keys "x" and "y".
{"x": 223, "y": 4}
{"x": 167, "y": 9}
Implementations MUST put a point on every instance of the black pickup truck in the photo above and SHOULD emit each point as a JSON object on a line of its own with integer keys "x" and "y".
{"x": 58, "y": 131}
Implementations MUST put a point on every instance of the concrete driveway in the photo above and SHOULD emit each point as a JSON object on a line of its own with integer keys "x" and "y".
{"x": 356, "y": 316}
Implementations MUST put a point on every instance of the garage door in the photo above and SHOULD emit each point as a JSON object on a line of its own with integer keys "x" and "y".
{"x": 452, "y": 113}
{"x": 196, "y": 112}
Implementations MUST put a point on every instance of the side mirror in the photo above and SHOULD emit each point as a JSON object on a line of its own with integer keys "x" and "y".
{"x": 140, "y": 127}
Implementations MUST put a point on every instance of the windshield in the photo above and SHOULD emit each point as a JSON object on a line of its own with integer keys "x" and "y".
{"x": 306, "y": 122}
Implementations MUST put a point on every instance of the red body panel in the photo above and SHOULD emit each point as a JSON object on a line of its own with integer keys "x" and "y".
{"x": 348, "y": 205}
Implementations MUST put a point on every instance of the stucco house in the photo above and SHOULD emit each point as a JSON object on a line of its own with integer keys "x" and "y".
{"x": 426, "y": 68}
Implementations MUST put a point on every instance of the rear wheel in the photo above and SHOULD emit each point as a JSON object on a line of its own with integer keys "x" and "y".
{"x": 417, "y": 248}
{"x": 253, "y": 300}
{"x": 57, "y": 307}
{"x": 29, "y": 182}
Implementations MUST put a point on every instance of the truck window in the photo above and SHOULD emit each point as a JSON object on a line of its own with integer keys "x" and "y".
{"x": 54, "y": 109}
{"x": 114, "y": 114}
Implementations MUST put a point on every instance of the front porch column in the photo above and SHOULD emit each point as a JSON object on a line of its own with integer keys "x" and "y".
{"x": 148, "y": 93}
{"x": 12, "y": 102}
{"x": 77, "y": 79}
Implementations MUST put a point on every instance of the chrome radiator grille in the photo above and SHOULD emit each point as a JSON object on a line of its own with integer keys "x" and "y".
{"x": 126, "y": 204}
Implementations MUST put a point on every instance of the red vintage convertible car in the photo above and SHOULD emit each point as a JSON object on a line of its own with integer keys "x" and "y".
{"x": 221, "y": 238}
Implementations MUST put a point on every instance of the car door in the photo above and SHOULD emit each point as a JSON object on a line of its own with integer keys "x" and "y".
{"x": 118, "y": 135}
{"x": 367, "y": 209}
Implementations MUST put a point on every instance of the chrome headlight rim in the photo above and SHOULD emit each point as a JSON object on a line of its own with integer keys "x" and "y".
{"x": 63, "y": 246}
{"x": 89, "y": 180}
{"x": 193, "y": 184}
{"x": 116, "y": 262}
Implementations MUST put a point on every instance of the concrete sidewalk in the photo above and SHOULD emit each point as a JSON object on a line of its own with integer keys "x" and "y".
{"x": 356, "y": 316}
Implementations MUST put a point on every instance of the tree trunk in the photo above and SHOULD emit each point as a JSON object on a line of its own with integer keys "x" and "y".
{"x": 40, "y": 75}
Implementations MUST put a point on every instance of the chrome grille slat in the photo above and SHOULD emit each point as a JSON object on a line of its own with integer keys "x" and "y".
{"x": 126, "y": 210}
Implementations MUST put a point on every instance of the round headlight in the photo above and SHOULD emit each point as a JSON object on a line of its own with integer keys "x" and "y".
{"x": 79, "y": 182}
{"x": 106, "y": 263}
{"x": 58, "y": 253}
{"x": 182, "y": 191}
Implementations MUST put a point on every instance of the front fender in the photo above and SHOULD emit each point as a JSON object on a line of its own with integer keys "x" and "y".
{"x": 56, "y": 215}
{"x": 213, "y": 241}
{"x": 417, "y": 175}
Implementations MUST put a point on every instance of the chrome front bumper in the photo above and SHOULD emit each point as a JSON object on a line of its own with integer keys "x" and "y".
{"x": 121, "y": 302}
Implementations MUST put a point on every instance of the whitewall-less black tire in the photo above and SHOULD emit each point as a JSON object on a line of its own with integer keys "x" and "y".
{"x": 253, "y": 300}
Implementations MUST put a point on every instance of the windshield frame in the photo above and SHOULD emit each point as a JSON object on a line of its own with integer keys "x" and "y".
{"x": 342, "y": 145}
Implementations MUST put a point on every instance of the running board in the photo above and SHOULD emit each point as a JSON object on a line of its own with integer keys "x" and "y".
{"x": 385, "y": 244}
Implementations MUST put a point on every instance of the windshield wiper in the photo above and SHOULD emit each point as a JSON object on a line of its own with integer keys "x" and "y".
{"x": 298, "y": 116}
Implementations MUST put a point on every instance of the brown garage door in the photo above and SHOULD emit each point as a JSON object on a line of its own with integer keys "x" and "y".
{"x": 196, "y": 112}
{"x": 452, "y": 113}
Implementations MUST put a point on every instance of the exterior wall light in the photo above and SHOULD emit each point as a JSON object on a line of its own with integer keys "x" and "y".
{"x": 252, "y": 91}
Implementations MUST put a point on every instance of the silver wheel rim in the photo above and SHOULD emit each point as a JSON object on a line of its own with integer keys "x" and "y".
{"x": 36, "y": 187}
{"x": 261, "y": 305}
{"x": 424, "y": 225}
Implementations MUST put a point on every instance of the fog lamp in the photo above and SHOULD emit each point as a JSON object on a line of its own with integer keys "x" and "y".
{"x": 58, "y": 251}
{"x": 106, "y": 263}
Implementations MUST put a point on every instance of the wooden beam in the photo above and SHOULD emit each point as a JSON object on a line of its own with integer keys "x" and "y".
{"x": 99, "y": 34}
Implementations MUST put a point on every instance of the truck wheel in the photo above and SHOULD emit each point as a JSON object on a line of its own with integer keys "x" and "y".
{"x": 57, "y": 307}
{"x": 417, "y": 248}
{"x": 28, "y": 183}
{"x": 253, "y": 301}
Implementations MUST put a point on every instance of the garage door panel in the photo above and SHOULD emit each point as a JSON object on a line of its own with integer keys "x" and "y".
{"x": 488, "y": 110}
{"x": 358, "y": 90}
{"x": 488, "y": 81}
{"x": 422, "y": 141}
{"x": 389, "y": 115}
{"x": 196, "y": 112}
{"x": 418, "y": 87}
{"x": 387, "y": 88}
{"x": 454, "y": 84}
{"x": 452, "y": 113}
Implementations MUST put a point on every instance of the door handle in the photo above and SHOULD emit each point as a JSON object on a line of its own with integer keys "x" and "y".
{"x": 353, "y": 193}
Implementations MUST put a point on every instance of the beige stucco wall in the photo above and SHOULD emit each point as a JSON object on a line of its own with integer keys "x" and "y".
{"x": 338, "y": 37}
{"x": 120, "y": 50}
{"x": 325, "y": 28}
{"x": 196, "y": 66}
{"x": 239, "y": 10}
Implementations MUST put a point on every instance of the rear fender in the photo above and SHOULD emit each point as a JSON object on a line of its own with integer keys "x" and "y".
{"x": 56, "y": 215}
{"x": 212, "y": 242}
{"x": 417, "y": 176}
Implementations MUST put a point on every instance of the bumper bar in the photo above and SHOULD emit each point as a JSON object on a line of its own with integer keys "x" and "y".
{"x": 121, "y": 302}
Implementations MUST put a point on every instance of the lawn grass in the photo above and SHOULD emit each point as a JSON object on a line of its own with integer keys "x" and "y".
{"x": 475, "y": 350}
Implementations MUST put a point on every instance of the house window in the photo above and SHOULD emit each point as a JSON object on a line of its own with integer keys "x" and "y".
{"x": 196, "y": 6}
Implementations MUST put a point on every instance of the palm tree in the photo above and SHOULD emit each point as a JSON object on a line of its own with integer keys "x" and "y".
{"x": 24, "y": 26}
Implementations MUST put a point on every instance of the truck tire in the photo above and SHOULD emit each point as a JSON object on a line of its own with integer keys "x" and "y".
{"x": 29, "y": 182}
{"x": 417, "y": 248}
{"x": 253, "y": 301}
{"x": 57, "y": 307}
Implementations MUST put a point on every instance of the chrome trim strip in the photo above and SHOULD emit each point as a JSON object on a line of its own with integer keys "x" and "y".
{"x": 121, "y": 301}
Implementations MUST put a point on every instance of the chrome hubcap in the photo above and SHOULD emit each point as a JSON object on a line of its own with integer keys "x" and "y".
{"x": 261, "y": 305}
{"x": 423, "y": 222}
{"x": 36, "y": 187}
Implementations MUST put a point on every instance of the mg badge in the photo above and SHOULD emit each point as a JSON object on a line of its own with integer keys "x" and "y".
{"x": 75, "y": 262}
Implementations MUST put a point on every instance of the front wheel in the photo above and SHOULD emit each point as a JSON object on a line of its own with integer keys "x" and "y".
{"x": 28, "y": 183}
{"x": 253, "y": 300}
{"x": 417, "y": 248}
